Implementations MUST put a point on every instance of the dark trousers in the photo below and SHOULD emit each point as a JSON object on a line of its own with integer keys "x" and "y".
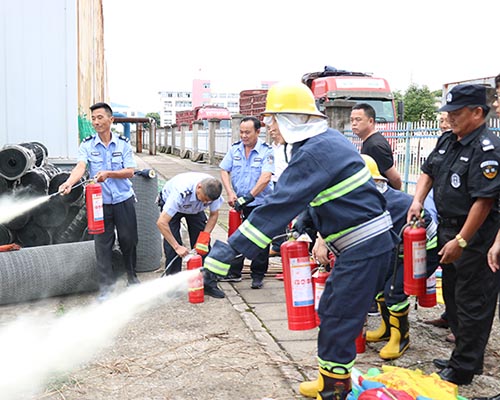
{"x": 470, "y": 291}
{"x": 122, "y": 217}
{"x": 195, "y": 223}
{"x": 259, "y": 264}
{"x": 348, "y": 294}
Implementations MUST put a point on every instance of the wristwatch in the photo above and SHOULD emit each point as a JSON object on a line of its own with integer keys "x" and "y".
{"x": 461, "y": 241}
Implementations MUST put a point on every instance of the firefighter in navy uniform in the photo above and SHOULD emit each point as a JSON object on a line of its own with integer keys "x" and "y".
{"x": 392, "y": 302}
{"x": 327, "y": 172}
{"x": 110, "y": 160}
{"x": 463, "y": 170}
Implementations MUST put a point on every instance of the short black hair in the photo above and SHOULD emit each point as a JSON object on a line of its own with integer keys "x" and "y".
{"x": 497, "y": 81}
{"x": 368, "y": 109}
{"x": 106, "y": 106}
{"x": 256, "y": 122}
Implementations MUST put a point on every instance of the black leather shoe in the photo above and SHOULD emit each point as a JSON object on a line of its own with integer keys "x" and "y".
{"x": 497, "y": 397}
{"x": 441, "y": 363}
{"x": 132, "y": 280}
{"x": 455, "y": 376}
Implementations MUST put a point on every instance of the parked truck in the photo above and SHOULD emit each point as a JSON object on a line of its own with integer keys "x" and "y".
{"x": 333, "y": 84}
{"x": 204, "y": 114}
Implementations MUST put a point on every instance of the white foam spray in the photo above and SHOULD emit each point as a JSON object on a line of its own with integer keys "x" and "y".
{"x": 11, "y": 208}
{"x": 34, "y": 349}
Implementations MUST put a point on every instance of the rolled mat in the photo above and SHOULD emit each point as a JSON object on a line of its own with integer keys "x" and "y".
{"x": 46, "y": 271}
{"x": 149, "y": 247}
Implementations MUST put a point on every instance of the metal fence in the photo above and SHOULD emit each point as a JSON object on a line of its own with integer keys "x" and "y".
{"x": 411, "y": 144}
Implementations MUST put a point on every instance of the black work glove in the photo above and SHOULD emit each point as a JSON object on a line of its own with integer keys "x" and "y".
{"x": 218, "y": 260}
{"x": 243, "y": 201}
{"x": 304, "y": 224}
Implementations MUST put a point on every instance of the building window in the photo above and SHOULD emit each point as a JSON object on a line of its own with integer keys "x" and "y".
{"x": 231, "y": 104}
{"x": 206, "y": 85}
{"x": 206, "y": 95}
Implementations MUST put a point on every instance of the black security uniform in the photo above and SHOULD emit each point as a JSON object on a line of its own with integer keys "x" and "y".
{"x": 463, "y": 171}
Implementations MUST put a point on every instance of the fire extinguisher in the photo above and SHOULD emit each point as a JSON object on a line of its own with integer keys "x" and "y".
{"x": 95, "y": 209}
{"x": 196, "y": 291}
{"x": 298, "y": 285}
{"x": 429, "y": 299}
{"x": 234, "y": 221}
{"x": 319, "y": 277}
{"x": 415, "y": 258}
{"x": 360, "y": 341}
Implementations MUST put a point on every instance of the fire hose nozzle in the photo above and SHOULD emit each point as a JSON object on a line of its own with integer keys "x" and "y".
{"x": 147, "y": 173}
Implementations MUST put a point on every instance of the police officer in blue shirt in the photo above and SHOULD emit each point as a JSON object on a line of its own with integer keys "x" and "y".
{"x": 187, "y": 195}
{"x": 246, "y": 172}
{"x": 111, "y": 163}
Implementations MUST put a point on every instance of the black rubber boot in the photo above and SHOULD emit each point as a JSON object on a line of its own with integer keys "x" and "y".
{"x": 210, "y": 285}
{"x": 400, "y": 335}
{"x": 333, "y": 386}
{"x": 383, "y": 332}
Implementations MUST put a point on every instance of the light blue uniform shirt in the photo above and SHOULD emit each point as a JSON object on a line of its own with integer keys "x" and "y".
{"x": 179, "y": 194}
{"x": 246, "y": 172}
{"x": 118, "y": 155}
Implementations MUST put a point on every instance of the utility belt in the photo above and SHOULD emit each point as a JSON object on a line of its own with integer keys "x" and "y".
{"x": 452, "y": 222}
{"x": 361, "y": 233}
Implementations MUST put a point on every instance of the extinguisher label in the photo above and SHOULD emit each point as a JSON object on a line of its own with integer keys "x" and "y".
{"x": 302, "y": 290}
{"x": 97, "y": 207}
{"x": 318, "y": 291}
{"x": 419, "y": 259}
{"x": 431, "y": 284}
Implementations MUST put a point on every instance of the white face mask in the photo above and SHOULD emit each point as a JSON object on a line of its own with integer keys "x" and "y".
{"x": 297, "y": 127}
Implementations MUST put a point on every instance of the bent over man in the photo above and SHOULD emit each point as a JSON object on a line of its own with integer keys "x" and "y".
{"x": 187, "y": 195}
{"x": 327, "y": 172}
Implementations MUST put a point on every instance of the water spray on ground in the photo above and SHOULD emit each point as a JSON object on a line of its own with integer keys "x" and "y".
{"x": 34, "y": 349}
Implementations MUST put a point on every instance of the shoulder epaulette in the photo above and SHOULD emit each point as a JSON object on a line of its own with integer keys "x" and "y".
{"x": 124, "y": 138}
{"x": 236, "y": 143}
{"x": 486, "y": 144}
{"x": 88, "y": 138}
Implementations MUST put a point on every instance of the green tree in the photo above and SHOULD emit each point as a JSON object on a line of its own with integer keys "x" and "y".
{"x": 155, "y": 116}
{"x": 419, "y": 103}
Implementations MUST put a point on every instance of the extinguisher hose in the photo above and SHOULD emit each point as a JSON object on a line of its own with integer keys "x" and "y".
{"x": 169, "y": 265}
{"x": 72, "y": 187}
{"x": 396, "y": 257}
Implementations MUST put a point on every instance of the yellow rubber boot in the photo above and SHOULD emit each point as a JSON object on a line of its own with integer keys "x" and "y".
{"x": 309, "y": 388}
{"x": 400, "y": 335}
{"x": 332, "y": 386}
{"x": 383, "y": 332}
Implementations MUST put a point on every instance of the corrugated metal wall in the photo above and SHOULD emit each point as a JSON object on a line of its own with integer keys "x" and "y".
{"x": 41, "y": 88}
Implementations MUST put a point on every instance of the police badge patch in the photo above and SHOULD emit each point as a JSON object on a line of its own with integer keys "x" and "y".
{"x": 455, "y": 181}
{"x": 490, "y": 168}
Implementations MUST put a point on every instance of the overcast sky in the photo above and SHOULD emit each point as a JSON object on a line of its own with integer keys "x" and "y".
{"x": 154, "y": 45}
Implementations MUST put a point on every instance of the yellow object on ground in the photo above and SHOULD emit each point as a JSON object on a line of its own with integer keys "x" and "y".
{"x": 416, "y": 383}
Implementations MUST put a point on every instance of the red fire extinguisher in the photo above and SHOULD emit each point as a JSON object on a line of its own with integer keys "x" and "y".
{"x": 298, "y": 285}
{"x": 361, "y": 340}
{"x": 234, "y": 221}
{"x": 415, "y": 259}
{"x": 95, "y": 209}
{"x": 319, "y": 277}
{"x": 429, "y": 299}
{"x": 196, "y": 291}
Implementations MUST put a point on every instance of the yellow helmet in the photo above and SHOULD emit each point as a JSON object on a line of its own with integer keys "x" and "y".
{"x": 291, "y": 98}
{"x": 373, "y": 167}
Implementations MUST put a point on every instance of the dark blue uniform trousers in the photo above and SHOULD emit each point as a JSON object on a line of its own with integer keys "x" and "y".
{"x": 121, "y": 216}
{"x": 259, "y": 264}
{"x": 348, "y": 294}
